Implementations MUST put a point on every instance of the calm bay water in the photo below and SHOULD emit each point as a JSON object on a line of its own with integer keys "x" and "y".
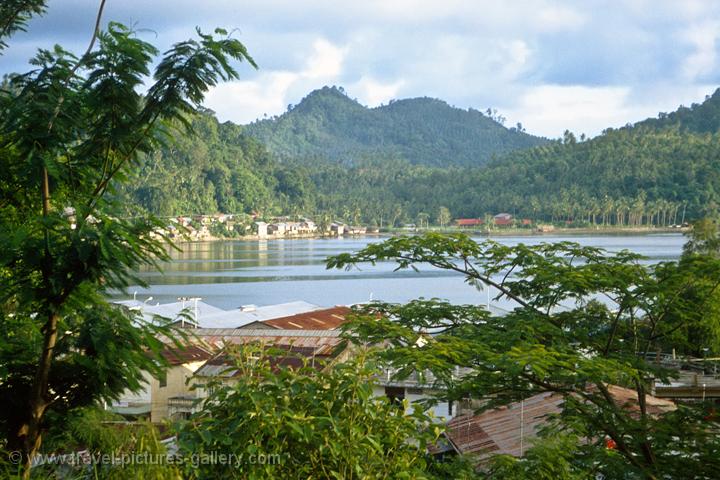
{"x": 228, "y": 274}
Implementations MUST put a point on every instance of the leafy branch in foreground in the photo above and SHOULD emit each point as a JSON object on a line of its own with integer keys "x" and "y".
{"x": 14, "y": 16}
{"x": 70, "y": 131}
{"x": 586, "y": 323}
{"x": 307, "y": 423}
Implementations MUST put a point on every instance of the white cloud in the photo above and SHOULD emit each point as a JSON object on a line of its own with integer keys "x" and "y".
{"x": 550, "y": 64}
{"x": 703, "y": 61}
{"x": 372, "y": 93}
{"x": 549, "y": 110}
{"x": 268, "y": 93}
{"x": 326, "y": 60}
{"x": 245, "y": 101}
{"x": 558, "y": 18}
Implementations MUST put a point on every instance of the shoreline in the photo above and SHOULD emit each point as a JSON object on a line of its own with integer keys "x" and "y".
{"x": 520, "y": 232}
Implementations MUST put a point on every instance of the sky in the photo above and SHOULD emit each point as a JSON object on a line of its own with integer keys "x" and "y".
{"x": 552, "y": 65}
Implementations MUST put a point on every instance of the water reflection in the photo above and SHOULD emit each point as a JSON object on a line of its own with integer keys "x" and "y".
{"x": 231, "y": 273}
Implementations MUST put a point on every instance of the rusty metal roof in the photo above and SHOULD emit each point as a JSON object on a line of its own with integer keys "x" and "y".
{"x": 498, "y": 431}
{"x": 323, "y": 342}
{"x": 327, "y": 319}
{"x": 187, "y": 354}
{"x": 627, "y": 399}
{"x": 290, "y": 356}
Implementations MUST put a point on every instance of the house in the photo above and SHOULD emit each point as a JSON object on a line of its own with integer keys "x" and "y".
{"x": 697, "y": 379}
{"x": 356, "y": 230}
{"x": 690, "y": 386}
{"x": 262, "y": 229}
{"x": 503, "y": 219}
{"x": 277, "y": 229}
{"x": 414, "y": 388}
{"x": 253, "y": 315}
{"x": 325, "y": 319}
{"x": 468, "y": 222}
{"x": 308, "y": 226}
{"x": 293, "y": 348}
{"x": 337, "y": 229}
{"x": 223, "y": 367}
{"x": 203, "y": 219}
{"x": 510, "y": 430}
{"x": 186, "y": 312}
{"x": 292, "y": 228}
{"x": 283, "y": 348}
{"x": 321, "y": 340}
{"x": 172, "y": 395}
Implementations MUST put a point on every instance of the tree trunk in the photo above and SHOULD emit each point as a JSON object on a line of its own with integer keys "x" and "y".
{"x": 31, "y": 432}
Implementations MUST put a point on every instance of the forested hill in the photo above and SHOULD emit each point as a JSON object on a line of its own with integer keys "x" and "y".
{"x": 328, "y": 125}
{"x": 698, "y": 118}
{"x": 651, "y": 171}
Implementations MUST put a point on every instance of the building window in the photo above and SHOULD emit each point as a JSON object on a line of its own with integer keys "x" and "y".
{"x": 163, "y": 380}
{"x": 450, "y": 405}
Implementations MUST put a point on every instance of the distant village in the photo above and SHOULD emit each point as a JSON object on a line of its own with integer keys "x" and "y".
{"x": 221, "y": 225}
{"x": 252, "y": 227}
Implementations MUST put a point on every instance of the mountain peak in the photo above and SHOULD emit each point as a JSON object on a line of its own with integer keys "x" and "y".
{"x": 329, "y": 124}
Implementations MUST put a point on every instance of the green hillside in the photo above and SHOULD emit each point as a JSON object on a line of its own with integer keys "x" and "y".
{"x": 329, "y": 125}
{"x": 651, "y": 172}
{"x": 698, "y": 118}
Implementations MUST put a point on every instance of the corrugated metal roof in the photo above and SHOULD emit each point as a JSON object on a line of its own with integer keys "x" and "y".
{"x": 277, "y": 355}
{"x": 627, "y": 399}
{"x": 238, "y": 318}
{"x": 498, "y": 431}
{"x": 187, "y": 354}
{"x": 324, "y": 341}
{"x": 173, "y": 310}
{"x": 327, "y": 319}
{"x": 263, "y": 332}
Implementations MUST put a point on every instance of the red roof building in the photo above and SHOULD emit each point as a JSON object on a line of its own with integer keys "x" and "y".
{"x": 503, "y": 219}
{"x": 468, "y": 222}
{"x": 327, "y": 319}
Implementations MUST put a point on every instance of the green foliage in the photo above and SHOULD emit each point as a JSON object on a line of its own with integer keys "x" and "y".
{"x": 651, "y": 174}
{"x": 552, "y": 458}
{"x": 14, "y": 15}
{"x": 104, "y": 436}
{"x": 90, "y": 364}
{"x": 698, "y": 118}
{"x": 704, "y": 238}
{"x": 585, "y": 320}
{"x": 216, "y": 170}
{"x": 309, "y": 423}
{"x": 71, "y": 130}
{"x": 328, "y": 125}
